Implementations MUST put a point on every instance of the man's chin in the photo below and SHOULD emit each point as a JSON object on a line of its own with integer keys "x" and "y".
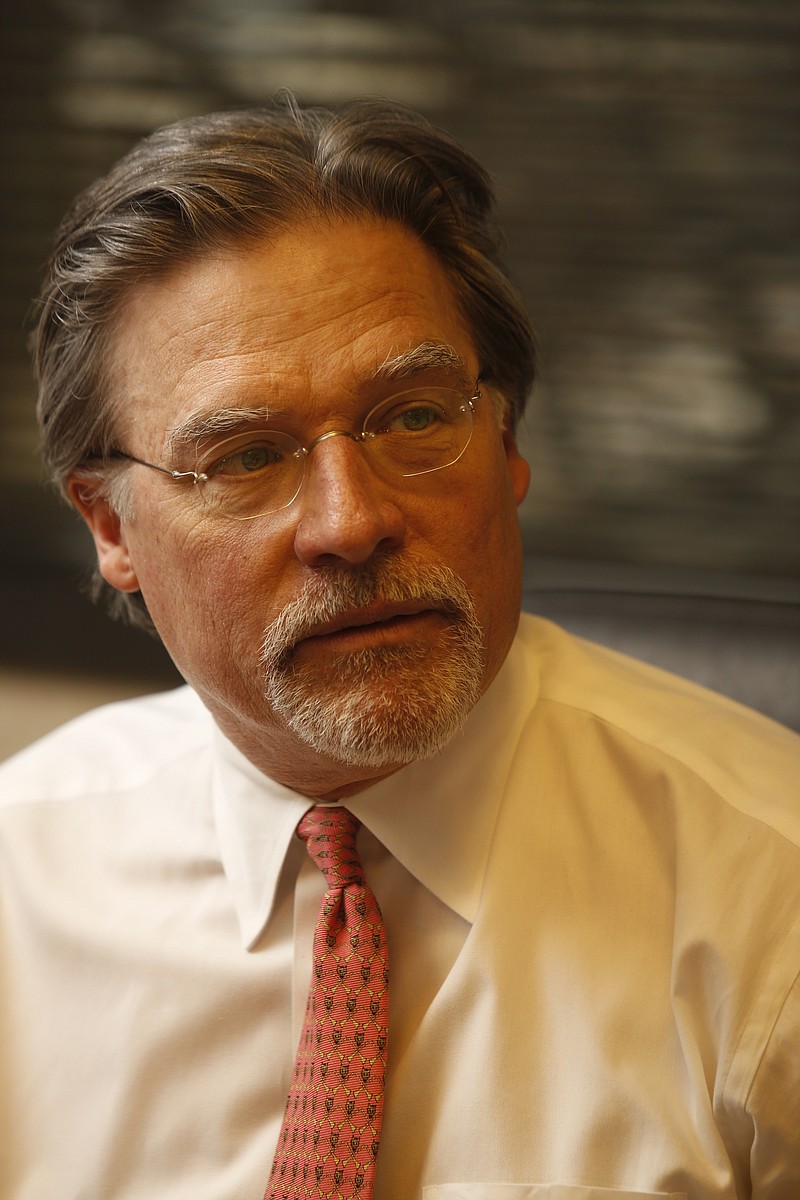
{"x": 381, "y": 707}
{"x": 376, "y": 666}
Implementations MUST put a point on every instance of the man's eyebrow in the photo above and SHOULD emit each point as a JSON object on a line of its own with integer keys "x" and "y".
{"x": 219, "y": 422}
{"x": 428, "y": 356}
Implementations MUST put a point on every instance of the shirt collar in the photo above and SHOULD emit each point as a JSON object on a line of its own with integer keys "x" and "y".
{"x": 436, "y": 816}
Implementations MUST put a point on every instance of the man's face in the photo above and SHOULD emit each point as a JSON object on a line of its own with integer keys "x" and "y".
{"x": 358, "y": 588}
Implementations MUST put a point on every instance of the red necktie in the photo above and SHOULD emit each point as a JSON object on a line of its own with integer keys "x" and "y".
{"x": 329, "y": 1139}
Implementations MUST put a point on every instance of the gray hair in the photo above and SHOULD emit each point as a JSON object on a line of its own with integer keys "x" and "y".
{"x": 233, "y": 176}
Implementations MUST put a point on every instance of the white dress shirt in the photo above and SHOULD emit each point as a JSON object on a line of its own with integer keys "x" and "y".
{"x": 592, "y": 899}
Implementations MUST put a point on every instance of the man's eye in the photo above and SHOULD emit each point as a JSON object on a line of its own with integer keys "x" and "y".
{"x": 247, "y": 460}
{"x": 419, "y": 418}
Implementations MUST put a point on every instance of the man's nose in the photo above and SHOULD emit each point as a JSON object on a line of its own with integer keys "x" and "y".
{"x": 346, "y": 511}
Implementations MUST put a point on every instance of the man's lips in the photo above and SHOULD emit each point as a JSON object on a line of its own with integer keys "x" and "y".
{"x": 374, "y": 623}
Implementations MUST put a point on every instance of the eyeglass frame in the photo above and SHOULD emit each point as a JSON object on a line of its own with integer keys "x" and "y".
{"x": 200, "y": 477}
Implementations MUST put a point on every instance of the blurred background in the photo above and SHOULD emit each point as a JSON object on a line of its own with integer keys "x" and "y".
{"x": 646, "y": 160}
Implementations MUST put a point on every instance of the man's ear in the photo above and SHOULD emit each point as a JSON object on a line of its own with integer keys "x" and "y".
{"x": 518, "y": 467}
{"x": 113, "y": 557}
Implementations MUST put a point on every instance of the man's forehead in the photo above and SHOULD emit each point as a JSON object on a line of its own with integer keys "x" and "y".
{"x": 309, "y": 324}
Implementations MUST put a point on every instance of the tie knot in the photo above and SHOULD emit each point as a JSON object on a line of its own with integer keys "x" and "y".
{"x": 330, "y": 838}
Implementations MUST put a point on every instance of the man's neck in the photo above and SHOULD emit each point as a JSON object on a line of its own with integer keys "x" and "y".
{"x": 280, "y": 755}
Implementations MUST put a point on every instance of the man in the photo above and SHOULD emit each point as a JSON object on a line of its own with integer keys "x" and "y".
{"x": 279, "y": 374}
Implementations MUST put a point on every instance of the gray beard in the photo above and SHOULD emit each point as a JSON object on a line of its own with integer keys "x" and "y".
{"x": 389, "y": 705}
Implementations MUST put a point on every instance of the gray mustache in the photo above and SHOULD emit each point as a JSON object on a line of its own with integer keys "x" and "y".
{"x": 337, "y": 592}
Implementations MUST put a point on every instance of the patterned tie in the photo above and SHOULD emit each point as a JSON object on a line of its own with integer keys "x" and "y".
{"x": 329, "y": 1140}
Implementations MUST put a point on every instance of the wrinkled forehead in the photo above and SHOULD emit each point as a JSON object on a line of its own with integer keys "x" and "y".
{"x": 303, "y": 320}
